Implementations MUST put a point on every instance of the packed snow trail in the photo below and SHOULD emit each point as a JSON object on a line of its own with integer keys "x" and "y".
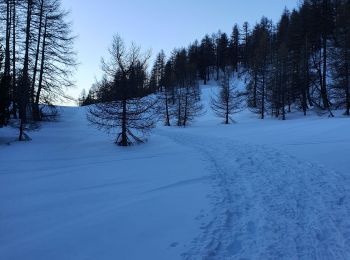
{"x": 269, "y": 205}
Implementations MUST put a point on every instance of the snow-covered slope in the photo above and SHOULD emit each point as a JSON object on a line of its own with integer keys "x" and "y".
{"x": 253, "y": 190}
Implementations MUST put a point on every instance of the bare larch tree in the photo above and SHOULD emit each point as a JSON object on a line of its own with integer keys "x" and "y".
{"x": 124, "y": 107}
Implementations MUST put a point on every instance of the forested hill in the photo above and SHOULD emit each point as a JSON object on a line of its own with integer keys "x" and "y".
{"x": 301, "y": 62}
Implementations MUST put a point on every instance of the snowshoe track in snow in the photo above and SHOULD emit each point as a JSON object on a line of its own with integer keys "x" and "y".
{"x": 268, "y": 205}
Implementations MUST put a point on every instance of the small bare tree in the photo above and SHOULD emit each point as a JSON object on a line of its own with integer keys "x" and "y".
{"x": 229, "y": 100}
{"x": 189, "y": 105}
{"x": 186, "y": 93}
{"x": 125, "y": 107}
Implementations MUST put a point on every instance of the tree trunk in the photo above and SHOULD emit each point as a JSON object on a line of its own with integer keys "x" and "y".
{"x": 8, "y": 36}
{"x": 6, "y": 78}
{"x": 124, "y": 140}
{"x": 283, "y": 83}
{"x": 304, "y": 100}
{"x": 25, "y": 82}
{"x": 227, "y": 109}
{"x": 263, "y": 97}
{"x": 27, "y": 41}
{"x": 179, "y": 109}
{"x": 21, "y": 131}
{"x": 186, "y": 108}
{"x": 305, "y": 93}
{"x": 309, "y": 98}
{"x": 208, "y": 74}
{"x": 347, "y": 84}
{"x": 255, "y": 88}
{"x": 167, "y": 120}
{"x": 324, "y": 94}
{"x": 32, "y": 92}
{"x": 36, "y": 110}
{"x": 14, "y": 86}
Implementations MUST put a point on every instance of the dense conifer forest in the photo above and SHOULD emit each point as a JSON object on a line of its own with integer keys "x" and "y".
{"x": 300, "y": 62}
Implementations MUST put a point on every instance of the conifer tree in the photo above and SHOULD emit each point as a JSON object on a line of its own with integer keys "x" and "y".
{"x": 125, "y": 109}
{"x": 229, "y": 100}
{"x": 234, "y": 46}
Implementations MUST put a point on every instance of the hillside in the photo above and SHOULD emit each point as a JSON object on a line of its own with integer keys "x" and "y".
{"x": 256, "y": 189}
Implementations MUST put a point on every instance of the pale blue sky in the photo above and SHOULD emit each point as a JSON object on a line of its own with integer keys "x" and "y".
{"x": 155, "y": 24}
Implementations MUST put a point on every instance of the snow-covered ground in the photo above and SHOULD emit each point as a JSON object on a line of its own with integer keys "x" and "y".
{"x": 253, "y": 190}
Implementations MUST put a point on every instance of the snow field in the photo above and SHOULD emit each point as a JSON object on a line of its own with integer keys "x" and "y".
{"x": 252, "y": 190}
